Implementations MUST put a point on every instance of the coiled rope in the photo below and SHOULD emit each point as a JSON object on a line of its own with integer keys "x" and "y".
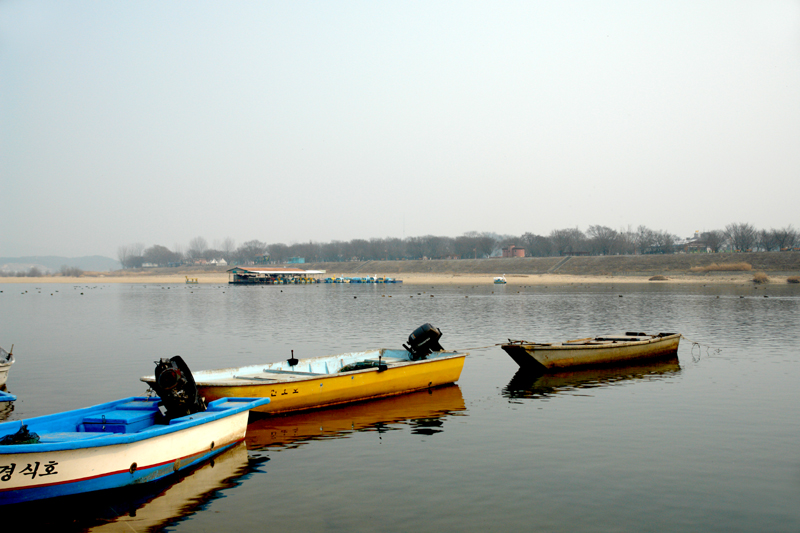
{"x": 700, "y": 347}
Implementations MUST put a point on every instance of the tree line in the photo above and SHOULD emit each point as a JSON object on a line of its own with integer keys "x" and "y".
{"x": 596, "y": 240}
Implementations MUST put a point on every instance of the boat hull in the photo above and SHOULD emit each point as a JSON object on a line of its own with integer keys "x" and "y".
{"x": 303, "y": 392}
{"x": 4, "y": 368}
{"x": 84, "y": 463}
{"x": 556, "y": 356}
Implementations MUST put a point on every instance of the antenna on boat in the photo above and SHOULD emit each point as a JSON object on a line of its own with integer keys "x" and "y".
{"x": 292, "y": 361}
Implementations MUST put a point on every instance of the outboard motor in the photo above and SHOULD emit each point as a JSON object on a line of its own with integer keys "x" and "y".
{"x": 178, "y": 392}
{"x": 423, "y": 341}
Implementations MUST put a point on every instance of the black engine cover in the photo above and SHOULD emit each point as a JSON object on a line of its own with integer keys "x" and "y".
{"x": 423, "y": 341}
{"x": 176, "y": 387}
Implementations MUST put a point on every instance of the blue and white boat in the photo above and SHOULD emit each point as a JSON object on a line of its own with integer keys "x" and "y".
{"x": 113, "y": 445}
{"x": 116, "y": 444}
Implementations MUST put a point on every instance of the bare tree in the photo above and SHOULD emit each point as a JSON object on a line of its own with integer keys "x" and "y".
{"x": 227, "y": 248}
{"x": 160, "y": 255}
{"x": 664, "y": 242}
{"x": 785, "y": 237}
{"x": 714, "y": 239}
{"x": 123, "y": 253}
{"x": 766, "y": 240}
{"x": 197, "y": 247}
{"x": 251, "y": 251}
{"x": 567, "y": 241}
{"x": 603, "y": 239}
{"x": 536, "y": 245}
{"x": 742, "y": 236}
{"x": 644, "y": 238}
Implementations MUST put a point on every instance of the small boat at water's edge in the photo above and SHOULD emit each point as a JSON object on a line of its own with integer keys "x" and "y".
{"x": 596, "y": 351}
{"x": 125, "y": 442}
{"x": 298, "y": 384}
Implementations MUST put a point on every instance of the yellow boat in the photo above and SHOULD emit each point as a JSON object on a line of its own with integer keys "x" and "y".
{"x": 298, "y": 384}
{"x": 593, "y": 351}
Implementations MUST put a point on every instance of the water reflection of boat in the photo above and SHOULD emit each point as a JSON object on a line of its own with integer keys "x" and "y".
{"x": 6, "y": 408}
{"x": 593, "y": 351}
{"x": 148, "y": 507}
{"x": 424, "y": 411}
{"x": 527, "y": 384}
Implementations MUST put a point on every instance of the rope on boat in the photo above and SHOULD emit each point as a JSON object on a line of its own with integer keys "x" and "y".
{"x": 478, "y": 348}
{"x": 700, "y": 347}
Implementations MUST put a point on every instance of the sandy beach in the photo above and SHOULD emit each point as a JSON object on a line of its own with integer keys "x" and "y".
{"x": 730, "y": 278}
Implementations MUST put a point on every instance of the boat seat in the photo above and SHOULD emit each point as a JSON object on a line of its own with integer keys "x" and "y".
{"x": 254, "y": 377}
{"x": 119, "y": 421}
{"x": 294, "y": 372}
{"x": 387, "y": 360}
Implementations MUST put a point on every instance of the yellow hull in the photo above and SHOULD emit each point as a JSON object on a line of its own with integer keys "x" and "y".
{"x": 320, "y": 391}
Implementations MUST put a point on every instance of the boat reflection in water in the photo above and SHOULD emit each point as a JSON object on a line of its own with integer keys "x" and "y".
{"x": 424, "y": 411}
{"x": 150, "y": 507}
{"x": 6, "y": 408}
{"x": 527, "y": 384}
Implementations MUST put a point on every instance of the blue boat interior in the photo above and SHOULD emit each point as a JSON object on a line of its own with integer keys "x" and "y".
{"x": 131, "y": 415}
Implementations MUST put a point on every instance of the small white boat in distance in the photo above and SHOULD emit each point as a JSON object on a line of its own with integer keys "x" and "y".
{"x": 6, "y": 360}
{"x": 592, "y": 351}
{"x": 500, "y": 280}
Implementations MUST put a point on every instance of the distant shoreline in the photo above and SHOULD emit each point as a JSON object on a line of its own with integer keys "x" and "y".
{"x": 676, "y": 268}
{"x": 215, "y": 278}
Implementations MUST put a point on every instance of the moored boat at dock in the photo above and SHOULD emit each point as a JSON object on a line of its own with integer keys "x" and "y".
{"x": 592, "y": 351}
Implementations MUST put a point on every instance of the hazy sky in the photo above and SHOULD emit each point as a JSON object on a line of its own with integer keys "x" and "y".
{"x": 157, "y": 122}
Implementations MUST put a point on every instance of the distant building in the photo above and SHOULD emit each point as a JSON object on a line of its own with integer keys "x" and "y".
{"x": 513, "y": 251}
{"x": 296, "y": 260}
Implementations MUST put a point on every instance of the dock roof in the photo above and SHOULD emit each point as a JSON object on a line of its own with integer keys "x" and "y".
{"x": 275, "y": 270}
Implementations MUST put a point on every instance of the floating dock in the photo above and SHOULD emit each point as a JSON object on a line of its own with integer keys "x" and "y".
{"x": 272, "y": 276}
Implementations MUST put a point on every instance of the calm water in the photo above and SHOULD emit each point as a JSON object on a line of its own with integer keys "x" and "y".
{"x": 707, "y": 442}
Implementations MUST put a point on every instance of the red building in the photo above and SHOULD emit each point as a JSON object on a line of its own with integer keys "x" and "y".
{"x": 513, "y": 251}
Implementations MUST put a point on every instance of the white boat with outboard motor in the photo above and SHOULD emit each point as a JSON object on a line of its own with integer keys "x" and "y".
{"x": 116, "y": 444}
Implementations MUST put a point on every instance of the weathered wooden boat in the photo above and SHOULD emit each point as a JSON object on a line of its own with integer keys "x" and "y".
{"x": 596, "y": 351}
{"x": 116, "y": 444}
{"x": 6, "y": 360}
{"x": 298, "y": 384}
